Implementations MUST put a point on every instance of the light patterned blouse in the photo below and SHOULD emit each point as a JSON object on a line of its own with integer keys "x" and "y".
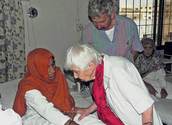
{"x": 146, "y": 65}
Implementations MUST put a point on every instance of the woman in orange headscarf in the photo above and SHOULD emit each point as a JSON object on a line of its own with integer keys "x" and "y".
{"x": 43, "y": 96}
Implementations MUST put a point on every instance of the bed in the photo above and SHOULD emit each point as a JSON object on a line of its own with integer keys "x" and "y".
{"x": 8, "y": 91}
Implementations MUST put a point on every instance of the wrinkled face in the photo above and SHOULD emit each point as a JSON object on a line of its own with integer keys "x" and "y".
{"x": 103, "y": 21}
{"x": 148, "y": 50}
{"x": 51, "y": 69}
{"x": 84, "y": 74}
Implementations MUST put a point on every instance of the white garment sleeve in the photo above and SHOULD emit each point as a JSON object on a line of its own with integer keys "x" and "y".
{"x": 132, "y": 88}
{"x": 46, "y": 109}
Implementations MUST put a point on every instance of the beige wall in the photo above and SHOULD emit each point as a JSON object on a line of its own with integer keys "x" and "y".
{"x": 54, "y": 28}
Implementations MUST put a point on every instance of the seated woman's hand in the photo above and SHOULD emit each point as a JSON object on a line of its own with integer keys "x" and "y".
{"x": 71, "y": 122}
{"x": 71, "y": 114}
{"x": 164, "y": 93}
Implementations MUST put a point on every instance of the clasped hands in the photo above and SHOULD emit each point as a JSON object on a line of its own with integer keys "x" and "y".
{"x": 82, "y": 111}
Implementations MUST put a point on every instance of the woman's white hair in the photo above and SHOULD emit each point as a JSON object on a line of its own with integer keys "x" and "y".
{"x": 81, "y": 55}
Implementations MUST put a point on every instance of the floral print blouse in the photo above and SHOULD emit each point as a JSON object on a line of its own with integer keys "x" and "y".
{"x": 146, "y": 64}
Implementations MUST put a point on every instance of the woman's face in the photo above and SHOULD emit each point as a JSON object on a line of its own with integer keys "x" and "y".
{"x": 148, "y": 50}
{"x": 87, "y": 74}
{"x": 51, "y": 69}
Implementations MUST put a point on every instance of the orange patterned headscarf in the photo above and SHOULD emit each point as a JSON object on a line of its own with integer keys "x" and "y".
{"x": 36, "y": 77}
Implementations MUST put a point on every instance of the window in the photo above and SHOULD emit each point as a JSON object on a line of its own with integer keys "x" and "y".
{"x": 153, "y": 17}
{"x": 141, "y": 12}
{"x": 167, "y": 21}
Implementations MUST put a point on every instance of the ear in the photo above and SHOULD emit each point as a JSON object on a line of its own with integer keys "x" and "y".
{"x": 113, "y": 14}
{"x": 91, "y": 65}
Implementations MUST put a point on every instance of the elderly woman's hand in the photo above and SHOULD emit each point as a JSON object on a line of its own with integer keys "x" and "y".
{"x": 83, "y": 112}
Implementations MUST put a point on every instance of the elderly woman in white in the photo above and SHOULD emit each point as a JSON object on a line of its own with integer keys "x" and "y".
{"x": 121, "y": 88}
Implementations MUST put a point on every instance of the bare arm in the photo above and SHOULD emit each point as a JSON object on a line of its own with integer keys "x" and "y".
{"x": 147, "y": 116}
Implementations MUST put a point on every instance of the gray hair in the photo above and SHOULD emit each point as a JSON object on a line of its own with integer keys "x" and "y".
{"x": 97, "y": 7}
{"x": 80, "y": 56}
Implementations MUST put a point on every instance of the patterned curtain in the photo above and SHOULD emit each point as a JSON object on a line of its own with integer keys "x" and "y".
{"x": 12, "y": 54}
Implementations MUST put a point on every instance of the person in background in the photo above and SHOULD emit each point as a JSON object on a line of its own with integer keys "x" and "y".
{"x": 151, "y": 69}
{"x": 43, "y": 97}
{"x": 120, "y": 95}
{"x": 110, "y": 33}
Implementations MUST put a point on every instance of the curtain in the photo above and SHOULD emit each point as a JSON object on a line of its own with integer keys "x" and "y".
{"x": 12, "y": 54}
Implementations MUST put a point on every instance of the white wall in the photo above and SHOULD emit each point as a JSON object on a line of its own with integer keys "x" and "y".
{"x": 54, "y": 28}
